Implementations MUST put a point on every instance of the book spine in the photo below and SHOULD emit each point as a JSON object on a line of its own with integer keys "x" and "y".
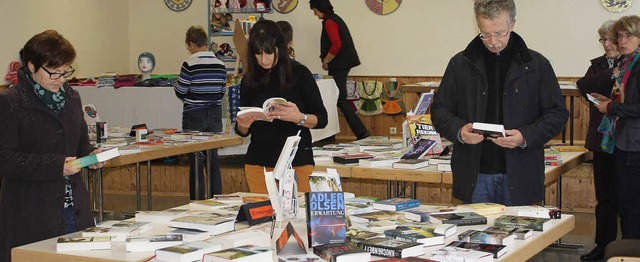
{"x": 308, "y": 211}
{"x": 381, "y": 251}
{"x": 474, "y": 221}
{"x": 534, "y": 226}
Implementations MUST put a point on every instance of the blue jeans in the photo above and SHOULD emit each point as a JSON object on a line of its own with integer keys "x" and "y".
{"x": 493, "y": 188}
{"x": 206, "y": 120}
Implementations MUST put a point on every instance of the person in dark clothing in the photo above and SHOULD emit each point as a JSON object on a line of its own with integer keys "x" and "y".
{"x": 338, "y": 55}
{"x": 272, "y": 73}
{"x": 42, "y": 129}
{"x": 598, "y": 80}
{"x": 497, "y": 79}
{"x": 624, "y": 108}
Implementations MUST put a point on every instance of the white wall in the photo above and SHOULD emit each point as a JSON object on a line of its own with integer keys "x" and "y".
{"x": 96, "y": 28}
{"x": 416, "y": 40}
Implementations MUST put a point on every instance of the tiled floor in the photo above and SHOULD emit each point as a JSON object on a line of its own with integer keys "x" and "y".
{"x": 121, "y": 205}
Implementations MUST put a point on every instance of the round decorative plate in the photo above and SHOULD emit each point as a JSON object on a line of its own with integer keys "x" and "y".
{"x": 616, "y": 6}
{"x": 383, "y": 7}
{"x": 177, "y": 5}
{"x": 284, "y": 6}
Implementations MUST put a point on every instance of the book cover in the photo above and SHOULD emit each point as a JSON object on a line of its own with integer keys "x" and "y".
{"x": 324, "y": 181}
{"x": 381, "y": 215}
{"x": 94, "y": 158}
{"x": 214, "y": 223}
{"x": 421, "y": 213}
{"x": 458, "y": 218}
{"x": 240, "y": 254}
{"x": 420, "y": 126}
{"x": 461, "y": 254}
{"x": 535, "y": 223}
{"x": 326, "y": 222}
{"x": 396, "y": 204}
{"x": 419, "y": 149}
{"x": 443, "y": 229}
{"x": 152, "y": 243}
{"x": 386, "y": 247}
{"x": 423, "y": 103}
{"x": 496, "y": 250}
{"x": 65, "y": 244}
{"x": 189, "y": 251}
{"x": 356, "y": 235}
{"x": 337, "y": 252}
{"x": 426, "y": 236}
{"x": 410, "y": 164}
{"x": 488, "y": 130}
{"x": 484, "y": 237}
{"x": 116, "y": 233}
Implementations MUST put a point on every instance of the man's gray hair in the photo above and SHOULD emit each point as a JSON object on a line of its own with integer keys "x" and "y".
{"x": 490, "y": 9}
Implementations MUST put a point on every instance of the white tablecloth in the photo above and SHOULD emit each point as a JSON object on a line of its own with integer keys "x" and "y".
{"x": 158, "y": 107}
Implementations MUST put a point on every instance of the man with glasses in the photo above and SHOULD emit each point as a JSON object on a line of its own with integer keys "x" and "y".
{"x": 497, "y": 79}
{"x": 598, "y": 80}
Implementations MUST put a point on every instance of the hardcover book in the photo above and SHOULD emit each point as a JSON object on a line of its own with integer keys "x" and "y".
{"x": 496, "y": 250}
{"x": 342, "y": 253}
{"x": 484, "y": 237}
{"x": 187, "y": 252}
{"x": 419, "y": 149}
{"x": 152, "y": 243}
{"x": 421, "y": 213}
{"x": 396, "y": 204}
{"x": 240, "y": 254}
{"x": 528, "y": 211}
{"x": 350, "y": 158}
{"x": 535, "y": 223}
{"x": 410, "y": 164}
{"x": 214, "y": 223}
{"x": 65, "y": 244}
{"x": 461, "y": 254}
{"x": 426, "y": 236}
{"x": 519, "y": 233}
{"x": 94, "y": 158}
{"x": 326, "y": 222}
{"x": 488, "y": 130}
{"x": 260, "y": 113}
{"x": 386, "y": 247}
{"x": 458, "y": 218}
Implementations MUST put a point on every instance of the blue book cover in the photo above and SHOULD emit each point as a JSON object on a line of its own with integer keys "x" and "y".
{"x": 326, "y": 222}
{"x": 396, "y": 204}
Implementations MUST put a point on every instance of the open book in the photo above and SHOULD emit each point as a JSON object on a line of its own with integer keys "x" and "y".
{"x": 261, "y": 113}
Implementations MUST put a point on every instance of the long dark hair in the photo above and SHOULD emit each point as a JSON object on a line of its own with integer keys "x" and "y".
{"x": 266, "y": 36}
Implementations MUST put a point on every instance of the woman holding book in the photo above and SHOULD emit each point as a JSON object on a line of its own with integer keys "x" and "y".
{"x": 42, "y": 129}
{"x": 623, "y": 108}
{"x": 272, "y": 73}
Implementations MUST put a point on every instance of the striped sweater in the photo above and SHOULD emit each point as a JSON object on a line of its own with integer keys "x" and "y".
{"x": 202, "y": 81}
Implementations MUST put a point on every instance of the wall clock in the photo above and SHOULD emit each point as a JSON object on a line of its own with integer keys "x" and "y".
{"x": 383, "y": 7}
{"x": 284, "y": 6}
{"x": 177, "y": 5}
{"x": 616, "y": 6}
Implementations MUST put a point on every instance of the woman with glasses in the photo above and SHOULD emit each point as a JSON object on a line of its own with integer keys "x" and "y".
{"x": 598, "y": 80}
{"x": 623, "y": 106}
{"x": 42, "y": 127}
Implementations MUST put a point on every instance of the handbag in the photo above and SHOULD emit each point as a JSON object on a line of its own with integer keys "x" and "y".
{"x": 606, "y": 127}
{"x": 392, "y": 98}
{"x": 369, "y": 103}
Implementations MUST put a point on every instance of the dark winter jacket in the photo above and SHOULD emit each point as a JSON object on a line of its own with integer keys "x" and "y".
{"x": 532, "y": 104}
{"x": 627, "y": 130}
{"x": 34, "y": 142}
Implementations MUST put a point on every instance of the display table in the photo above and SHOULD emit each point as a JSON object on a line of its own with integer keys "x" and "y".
{"x": 520, "y": 250}
{"x": 159, "y": 107}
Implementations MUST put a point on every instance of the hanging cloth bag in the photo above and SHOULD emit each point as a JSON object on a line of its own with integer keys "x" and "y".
{"x": 369, "y": 103}
{"x": 352, "y": 95}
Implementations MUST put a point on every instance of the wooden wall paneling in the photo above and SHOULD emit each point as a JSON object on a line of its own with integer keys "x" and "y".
{"x": 578, "y": 191}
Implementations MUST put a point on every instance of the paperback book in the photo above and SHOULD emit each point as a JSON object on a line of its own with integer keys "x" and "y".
{"x": 458, "y": 218}
{"x": 325, "y": 181}
{"x": 342, "y": 253}
{"x": 449, "y": 253}
{"x": 386, "y": 247}
{"x": 421, "y": 213}
{"x": 381, "y": 215}
{"x": 410, "y": 164}
{"x": 161, "y": 217}
{"x": 535, "y": 223}
{"x": 519, "y": 233}
{"x": 420, "y": 126}
{"x": 152, "y": 243}
{"x": 116, "y": 233}
{"x": 484, "y": 209}
{"x": 443, "y": 229}
{"x": 378, "y": 161}
{"x": 484, "y": 237}
{"x": 396, "y": 204}
{"x": 94, "y": 158}
{"x": 488, "y": 130}
{"x": 240, "y": 254}
{"x": 426, "y": 236}
{"x": 350, "y": 158}
{"x": 65, "y": 244}
{"x": 326, "y": 222}
{"x": 260, "y": 113}
{"x": 419, "y": 149}
{"x": 214, "y": 223}
{"x": 356, "y": 235}
{"x": 496, "y": 250}
{"x": 187, "y": 252}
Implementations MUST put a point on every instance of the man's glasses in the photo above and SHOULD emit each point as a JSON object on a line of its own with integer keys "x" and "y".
{"x": 56, "y": 76}
{"x": 496, "y": 35}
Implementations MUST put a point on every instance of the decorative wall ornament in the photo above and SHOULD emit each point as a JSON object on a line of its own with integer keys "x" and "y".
{"x": 383, "y": 7}
{"x": 616, "y": 6}
{"x": 177, "y": 5}
{"x": 284, "y": 6}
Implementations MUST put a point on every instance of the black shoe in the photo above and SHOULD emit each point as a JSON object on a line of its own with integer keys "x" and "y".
{"x": 596, "y": 254}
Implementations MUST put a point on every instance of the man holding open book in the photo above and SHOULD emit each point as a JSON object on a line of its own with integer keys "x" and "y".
{"x": 497, "y": 79}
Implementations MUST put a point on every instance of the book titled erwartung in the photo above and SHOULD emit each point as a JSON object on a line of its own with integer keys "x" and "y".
{"x": 326, "y": 218}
